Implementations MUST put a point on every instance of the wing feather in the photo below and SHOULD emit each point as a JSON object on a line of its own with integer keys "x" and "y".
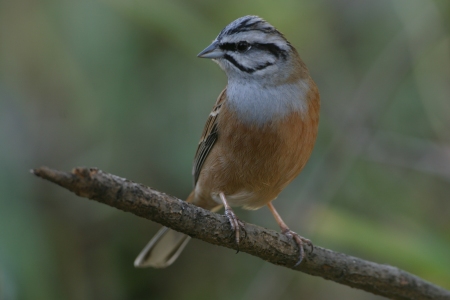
{"x": 209, "y": 137}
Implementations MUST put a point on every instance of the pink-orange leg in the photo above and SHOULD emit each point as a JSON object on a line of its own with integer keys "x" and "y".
{"x": 299, "y": 240}
{"x": 234, "y": 221}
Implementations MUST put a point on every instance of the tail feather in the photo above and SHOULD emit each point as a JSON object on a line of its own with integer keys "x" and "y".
{"x": 163, "y": 249}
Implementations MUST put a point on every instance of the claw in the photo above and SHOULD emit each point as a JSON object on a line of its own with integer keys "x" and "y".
{"x": 300, "y": 241}
{"x": 235, "y": 223}
{"x": 242, "y": 227}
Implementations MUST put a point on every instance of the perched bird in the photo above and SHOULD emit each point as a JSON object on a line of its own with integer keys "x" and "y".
{"x": 259, "y": 134}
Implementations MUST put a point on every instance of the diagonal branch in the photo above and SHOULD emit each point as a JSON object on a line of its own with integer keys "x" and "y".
{"x": 266, "y": 244}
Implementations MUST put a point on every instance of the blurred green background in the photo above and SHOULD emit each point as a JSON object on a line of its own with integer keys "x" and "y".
{"x": 117, "y": 85}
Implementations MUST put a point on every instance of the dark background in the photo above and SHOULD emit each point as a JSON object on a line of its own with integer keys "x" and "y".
{"x": 117, "y": 85}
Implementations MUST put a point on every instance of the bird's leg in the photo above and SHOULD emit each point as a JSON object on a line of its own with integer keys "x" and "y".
{"x": 234, "y": 221}
{"x": 299, "y": 240}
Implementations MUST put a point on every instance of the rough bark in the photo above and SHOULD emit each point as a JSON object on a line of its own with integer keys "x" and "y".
{"x": 266, "y": 244}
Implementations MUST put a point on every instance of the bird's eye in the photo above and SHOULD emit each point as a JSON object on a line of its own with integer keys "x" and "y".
{"x": 243, "y": 47}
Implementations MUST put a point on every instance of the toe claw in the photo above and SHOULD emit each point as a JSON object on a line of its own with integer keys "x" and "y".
{"x": 242, "y": 227}
{"x": 235, "y": 226}
{"x": 300, "y": 241}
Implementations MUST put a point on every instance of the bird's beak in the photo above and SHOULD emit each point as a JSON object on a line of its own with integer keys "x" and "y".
{"x": 212, "y": 51}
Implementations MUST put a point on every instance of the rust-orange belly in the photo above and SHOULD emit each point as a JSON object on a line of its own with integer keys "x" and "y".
{"x": 251, "y": 164}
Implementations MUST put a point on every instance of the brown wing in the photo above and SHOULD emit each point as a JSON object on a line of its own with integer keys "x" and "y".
{"x": 209, "y": 137}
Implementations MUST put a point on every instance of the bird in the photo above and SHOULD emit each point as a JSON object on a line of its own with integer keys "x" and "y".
{"x": 258, "y": 136}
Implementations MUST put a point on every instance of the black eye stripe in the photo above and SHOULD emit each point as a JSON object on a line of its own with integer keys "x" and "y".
{"x": 271, "y": 48}
{"x": 228, "y": 46}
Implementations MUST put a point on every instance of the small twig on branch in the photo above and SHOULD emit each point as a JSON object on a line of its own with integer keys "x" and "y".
{"x": 266, "y": 244}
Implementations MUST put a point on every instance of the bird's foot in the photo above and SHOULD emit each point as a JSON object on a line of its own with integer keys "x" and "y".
{"x": 300, "y": 241}
{"x": 236, "y": 224}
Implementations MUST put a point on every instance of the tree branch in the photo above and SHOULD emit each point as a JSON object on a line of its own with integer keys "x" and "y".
{"x": 215, "y": 229}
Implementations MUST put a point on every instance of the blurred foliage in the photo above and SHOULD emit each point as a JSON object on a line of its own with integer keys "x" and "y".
{"x": 117, "y": 85}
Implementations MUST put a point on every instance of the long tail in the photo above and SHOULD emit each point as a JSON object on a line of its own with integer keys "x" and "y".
{"x": 165, "y": 247}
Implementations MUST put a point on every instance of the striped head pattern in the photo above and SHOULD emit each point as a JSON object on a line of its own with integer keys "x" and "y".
{"x": 250, "y": 47}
